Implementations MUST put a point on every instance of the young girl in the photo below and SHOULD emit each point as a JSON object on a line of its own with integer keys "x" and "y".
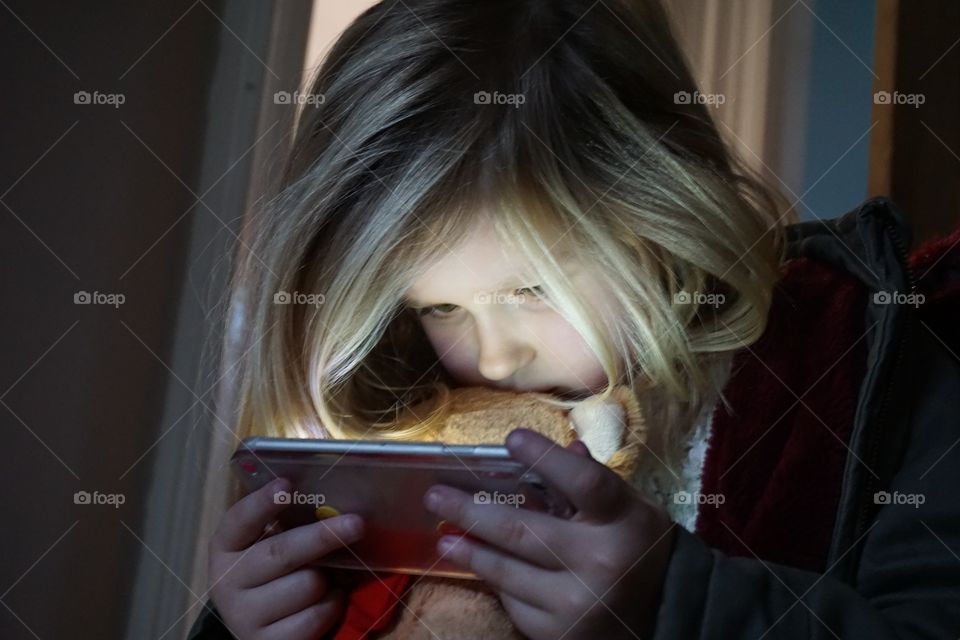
{"x": 514, "y": 194}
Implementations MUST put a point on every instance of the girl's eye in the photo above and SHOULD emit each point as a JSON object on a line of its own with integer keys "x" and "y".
{"x": 441, "y": 311}
{"x": 437, "y": 310}
{"x": 533, "y": 292}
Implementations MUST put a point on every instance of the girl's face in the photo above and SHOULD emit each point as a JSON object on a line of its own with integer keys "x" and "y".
{"x": 490, "y": 325}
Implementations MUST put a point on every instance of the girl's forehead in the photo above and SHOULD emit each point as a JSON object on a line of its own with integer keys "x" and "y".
{"x": 457, "y": 278}
{"x": 481, "y": 262}
{"x": 482, "y": 243}
{"x": 476, "y": 268}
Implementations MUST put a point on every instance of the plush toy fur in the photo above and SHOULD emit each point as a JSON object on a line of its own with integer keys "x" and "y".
{"x": 614, "y": 433}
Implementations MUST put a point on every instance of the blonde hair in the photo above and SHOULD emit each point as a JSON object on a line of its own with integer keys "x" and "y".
{"x": 578, "y": 138}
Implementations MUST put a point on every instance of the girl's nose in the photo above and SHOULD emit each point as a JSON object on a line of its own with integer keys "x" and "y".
{"x": 501, "y": 356}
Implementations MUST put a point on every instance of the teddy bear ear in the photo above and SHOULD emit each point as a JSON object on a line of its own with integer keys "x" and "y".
{"x": 613, "y": 430}
{"x": 601, "y": 426}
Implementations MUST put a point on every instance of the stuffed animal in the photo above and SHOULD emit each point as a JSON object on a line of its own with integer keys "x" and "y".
{"x": 614, "y": 433}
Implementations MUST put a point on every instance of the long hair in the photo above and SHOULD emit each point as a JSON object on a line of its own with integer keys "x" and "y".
{"x": 561, "y": 119}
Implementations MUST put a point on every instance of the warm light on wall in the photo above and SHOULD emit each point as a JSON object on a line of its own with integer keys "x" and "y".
{"x": 327, "y": 21}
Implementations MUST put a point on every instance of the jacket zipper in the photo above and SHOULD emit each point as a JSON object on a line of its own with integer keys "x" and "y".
{"x": 866, "y": 504}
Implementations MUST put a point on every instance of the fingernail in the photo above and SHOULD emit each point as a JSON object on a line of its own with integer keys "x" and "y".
{"x": 438, "y": 495}
{"x": 353, "y": 526}
{"x": 516, "y": 437}
{"x": 445, "y": 544}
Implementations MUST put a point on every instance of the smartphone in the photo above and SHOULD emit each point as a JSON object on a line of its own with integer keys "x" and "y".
{"x": 384, "y": 482}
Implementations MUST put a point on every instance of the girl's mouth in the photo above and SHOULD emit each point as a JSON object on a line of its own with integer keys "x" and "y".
{"x": 565, "y": 394}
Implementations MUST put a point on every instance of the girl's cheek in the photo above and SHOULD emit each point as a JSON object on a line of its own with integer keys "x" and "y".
{"x": 575, "y": 359}
{"x": 560, "y": 336}
{"x": 453, "y": 352}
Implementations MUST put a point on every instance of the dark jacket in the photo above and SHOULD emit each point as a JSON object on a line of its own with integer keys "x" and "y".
{"x": 890, "y": 570}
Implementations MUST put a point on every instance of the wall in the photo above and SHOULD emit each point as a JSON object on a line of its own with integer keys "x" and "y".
{"x": 95, "y": 198}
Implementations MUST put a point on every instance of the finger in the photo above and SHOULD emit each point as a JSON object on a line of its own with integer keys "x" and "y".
{"x": 526, "y": 582}
{"x": 578, "y": 447}
{"x": 593, "y": 489}
{"x": 286, "y": 552}
{"x": 244, "y": 523}
{"x": 288, "y": 594}
{"x": 528, "y": 618}
{"x": 273, "y": 529}
{"x": 312, "y": 622}
{"x": 535, "y": 537}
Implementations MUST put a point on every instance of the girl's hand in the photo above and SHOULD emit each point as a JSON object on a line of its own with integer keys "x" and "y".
{"x": 596, "y": 575}
{"x": 261, "y": 586}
